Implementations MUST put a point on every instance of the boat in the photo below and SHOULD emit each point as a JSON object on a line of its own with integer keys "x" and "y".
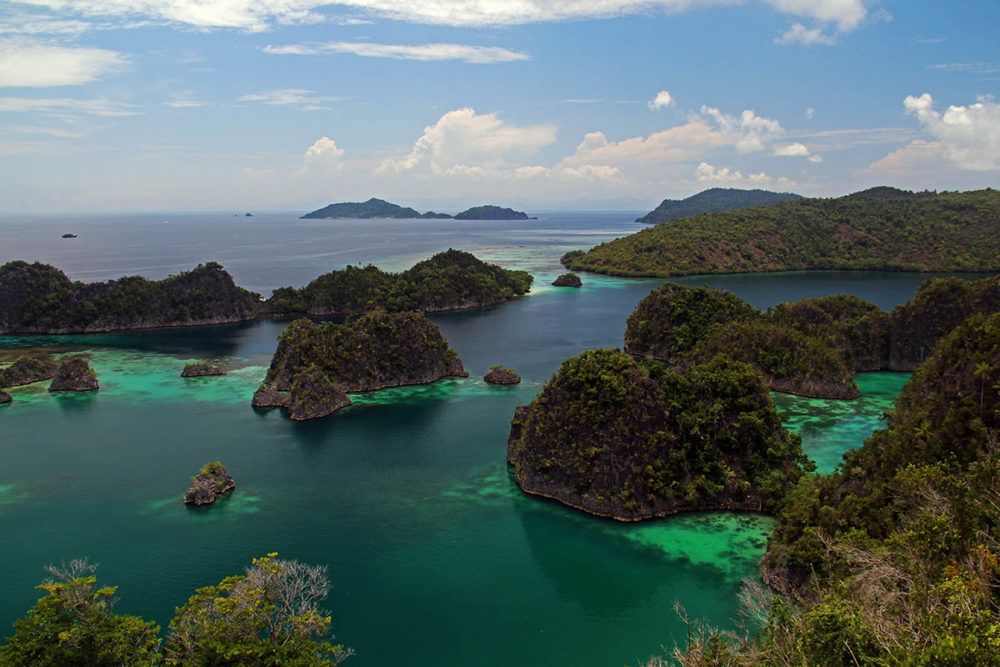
{"x": 69, "y": 236}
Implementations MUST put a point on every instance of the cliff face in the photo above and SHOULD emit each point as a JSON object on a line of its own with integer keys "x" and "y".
{"x": 36, "y": 298}
{"x": 375, "y": 351}
{"x": 212, "y": 481}
{"x": 450, "y": 280}
{"x": 621, "y": 438}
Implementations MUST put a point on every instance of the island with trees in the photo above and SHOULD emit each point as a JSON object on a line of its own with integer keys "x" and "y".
{"x": 714, "y": 200}
{"x": 381, "y": 209}
{"x": 491, "y": 212}
{"x": 879, "y": 229}
{"x": 317, "y": 365}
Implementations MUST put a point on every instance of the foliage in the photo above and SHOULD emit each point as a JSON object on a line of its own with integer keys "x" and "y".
{"x": 447, "y": 281}
{"x": 632, "y": 439}
{"x": 75, "y": 624}
{"x": 37, "y": 298}
{"x": 949, "y": 231}
{"x": 373, "y": 208}
{"x": 491, "y": 213}
{"x": 714, "y": 200}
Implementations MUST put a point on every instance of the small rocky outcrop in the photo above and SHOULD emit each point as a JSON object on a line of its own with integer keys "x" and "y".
{"x": 502, "y": 375}
{"x": 75, "y": 375}
{"x": 27, "y": 370}
{"x": 5, "y": 397}
{"x": 199, "y": 369}
{"x": 212, "y": 481}
{"x": 568, "y": 280}
{"x": 315, "y": 395}
{"x": 268, "y": 397}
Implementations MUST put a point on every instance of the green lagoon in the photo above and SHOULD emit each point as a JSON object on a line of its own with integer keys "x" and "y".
{"x": 434, "y": 555}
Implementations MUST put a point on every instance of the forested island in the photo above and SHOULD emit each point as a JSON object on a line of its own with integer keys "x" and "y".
{"x": 714, "y": 200}
{"x": 629, "y": 439}
{"x": 38, "y": 298}
{"x": 316, "y": 365}
{"x": 879, "y": 229}
{"x": 811, "y": 347}
{"x": 451, "y": 280}
{"x": 379, "y": 208}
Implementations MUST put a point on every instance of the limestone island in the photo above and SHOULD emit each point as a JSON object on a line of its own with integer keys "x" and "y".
{"x": 490, "y": 212}
{"x": 881, "y": 229}
{"x": 630, "y": 439}
{"x": 27, "y": 369}
{"x": 317, "y": 365}
{"x": 75, "y": 374}
{"x": 450, "y": 280}
{"x": 714, "y": 200}
{"x": 212, "y": 481}
{"x": 501, "y": 375}
{"x": 197, "y": 369}
{"x": 41, "y": 299}
{"x": 568, "y": 280}
{"x": 811, "y": 347}
{"x": 381, "y": 209}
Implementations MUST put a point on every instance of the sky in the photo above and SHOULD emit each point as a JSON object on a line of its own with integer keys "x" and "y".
{"x": 254, "y": 105}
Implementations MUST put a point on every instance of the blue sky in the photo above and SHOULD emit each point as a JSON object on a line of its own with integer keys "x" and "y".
{"x": 291, "y": 104}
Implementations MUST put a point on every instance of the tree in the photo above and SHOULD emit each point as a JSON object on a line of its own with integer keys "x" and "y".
{"x": 75, "y": 624}
{"x": 268, "y": 617}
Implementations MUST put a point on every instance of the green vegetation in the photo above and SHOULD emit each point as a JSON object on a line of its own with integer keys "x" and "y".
{"x": 75, "y": 374}
{"x": 37, "y": 298}
{"x": 318, "y": 363}
{"x": 491, "y": 213}
{"x": 447, "y": 281}
{"x": 373, "y": 208}
{"x": 502, "y": 375}
{"x": 568, "y": 280}
{"x": 714, "y": 200}
{"x": 874, "y": 230}
{"x": 268, "y": 617}
{"x": 895, "y": 558}
{"x": 631, "y": 439}
{"x": 27, "y": 369}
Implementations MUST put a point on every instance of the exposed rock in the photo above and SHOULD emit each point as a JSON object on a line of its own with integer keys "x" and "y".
{"x": 202, "y": 369}
{"x": 502, "y": 375}
{"x": 568, "y": 280}
{"x": 314, "y": 396}
{"x": 266, "y": 397}
{"x": 629, "y": 439}
{"x": 212, "y": 481}
{"x": 75, "y": 374}
{"x": 27, "y": 370}
{"x": 5, "y": 397}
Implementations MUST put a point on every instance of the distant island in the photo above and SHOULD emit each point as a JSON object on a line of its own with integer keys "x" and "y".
{"x": 714, "y": 200}
{"x": 379, "y": 208}
{"x": 881, "y": 229}
{"x": 450, "y": 280}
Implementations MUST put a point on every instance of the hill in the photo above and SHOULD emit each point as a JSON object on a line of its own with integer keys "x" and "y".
{"x": 714, "y": 200}
{"x": 880, "y": 229}
{"x": 373, "y": 208}
{"x": 491, "y": 213}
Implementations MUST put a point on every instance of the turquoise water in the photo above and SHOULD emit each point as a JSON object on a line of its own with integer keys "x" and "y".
{"x": 434, "y": 556}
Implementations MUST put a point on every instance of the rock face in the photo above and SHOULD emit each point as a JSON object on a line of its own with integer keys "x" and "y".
{"x": 451, "y": 280}
{"x": 502, "y": 375}
{"x": 631, "y": 440}
{"x": 27, "y": 370}
{"x": 37, "y": 298}
{"x": 202, "y": 369}
{"x": 212, "y": 481}
{"x": 5, "y": 397}
{"x": 75, "y": 375}
{"x": 320, "y": 363}
{"x": 568, "y": 280}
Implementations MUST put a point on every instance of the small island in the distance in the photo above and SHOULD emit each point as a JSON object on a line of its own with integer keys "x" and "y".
{"x": 381, "y": 209}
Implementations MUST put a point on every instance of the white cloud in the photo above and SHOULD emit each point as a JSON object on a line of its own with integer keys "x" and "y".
{"x": 799, "y": 34}
{"x": 185, "y": 100}
{"x": 94, "y": 107}
{"x": 304, "y": 98}
{"x": 810, "y": 113}
{"x": 463, "y": 138}
{"x": 709, "y": 174}
{"x": 748, "y": 132}
{"x": 480, "y": 55}
{"x": 257, "y": 15}
{"x": 30, "y": 64}
{"x": 663, "y": 99}
{"x": 324, "y": 152}
{"x": 969, "y": 135}
{"x": 796, "y": 149}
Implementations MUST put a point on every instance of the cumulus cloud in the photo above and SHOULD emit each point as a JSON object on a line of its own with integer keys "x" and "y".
{"x": 810, "y": 113}
{"x": 480, "y": 55}
{"x": 324, "y": 152}
{"x": 663, "y": 99}
{"x": 969, "y": 135}
{"x": 796, "y": 150}
{"x": 799, "y": 34}
{"x": 748, "y": 132}
{"x": 463, "y": 138}
{"x": 709, "y": 174}
{"x": 30, "y": 64}
{"x": 257, "y": 15}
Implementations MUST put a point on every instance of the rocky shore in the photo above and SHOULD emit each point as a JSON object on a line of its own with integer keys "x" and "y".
{"x": 501, "y": 375}
{"x": 75, "y": 374}
{"x": 212, "y": 481}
